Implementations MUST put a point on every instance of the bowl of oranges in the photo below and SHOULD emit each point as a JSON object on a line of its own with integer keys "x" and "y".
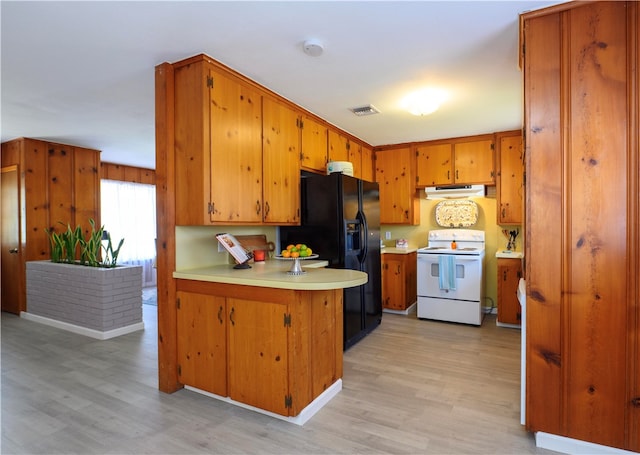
{"x": 296, "y": 253}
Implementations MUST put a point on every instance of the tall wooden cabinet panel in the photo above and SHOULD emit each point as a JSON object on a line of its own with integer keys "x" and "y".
{"x": 57, "y": 183}
{"x": 582, "y": 222}
{"x": 218, "y": 147}
{"x": 280, "y": 163}
{"x": 395, "y": 174}
{"x": 314, "y": 146}
{"x": 202, "y": 341}
{"x": 510, "y": 182}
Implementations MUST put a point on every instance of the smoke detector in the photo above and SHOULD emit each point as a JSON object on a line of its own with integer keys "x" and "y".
{"x": 364, "y": 110}
{"x": 313, "y": 47}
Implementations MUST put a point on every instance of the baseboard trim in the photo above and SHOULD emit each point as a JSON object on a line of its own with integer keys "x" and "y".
{"x": 92, "y": 333}
{"x": 410, "y": 309}
{"x": 302, "y": 418}
{"x": 575, "y": 446}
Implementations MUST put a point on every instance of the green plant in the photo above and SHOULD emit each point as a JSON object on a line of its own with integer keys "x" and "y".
{"x": 65, "y": 245}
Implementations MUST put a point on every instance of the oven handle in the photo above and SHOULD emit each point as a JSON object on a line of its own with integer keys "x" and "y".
{"x": 459, "y": 258}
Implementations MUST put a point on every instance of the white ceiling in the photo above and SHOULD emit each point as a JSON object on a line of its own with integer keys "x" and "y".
{"x": 82, "y": 72}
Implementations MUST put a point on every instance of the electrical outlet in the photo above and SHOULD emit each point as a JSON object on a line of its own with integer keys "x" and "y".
{"x": 387, "y": 235}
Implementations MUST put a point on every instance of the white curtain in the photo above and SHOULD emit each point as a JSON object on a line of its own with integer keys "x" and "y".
{"x": 128, "y": 211}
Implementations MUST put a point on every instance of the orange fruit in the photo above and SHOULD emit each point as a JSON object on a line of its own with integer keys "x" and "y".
{"x": 290, "y": 246}
{"x": 286, "y": 254}
{"x": 295, "y": 254}
{"x": 299, "y": 245}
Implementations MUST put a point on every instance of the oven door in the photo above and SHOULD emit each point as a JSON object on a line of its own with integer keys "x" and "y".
{"x": 468, "y": 277}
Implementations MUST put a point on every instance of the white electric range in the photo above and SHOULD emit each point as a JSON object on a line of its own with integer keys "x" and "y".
{"x": 451, "y": 280}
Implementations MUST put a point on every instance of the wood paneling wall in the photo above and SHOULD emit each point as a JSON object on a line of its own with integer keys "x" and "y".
{"x": 112, "y": 171}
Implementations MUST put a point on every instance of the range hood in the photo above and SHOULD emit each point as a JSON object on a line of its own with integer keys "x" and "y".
{"x": 454, "y": 191}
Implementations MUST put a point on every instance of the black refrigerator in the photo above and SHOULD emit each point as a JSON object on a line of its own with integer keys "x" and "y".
{"x": 340, "y": 221}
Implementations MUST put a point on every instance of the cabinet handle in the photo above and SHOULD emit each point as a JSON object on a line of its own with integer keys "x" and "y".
{"x": 266, "y": 209}
{"x": 448, "y": 175}
{"x": 504, "y": 212}
{"x": 13, "y": 251}
{"x": 504, "y": 275}
{"x": 220, "y": 315}
{"x": 398, "y": 270}
{"x": 457, "y": 177}
{"x": 258, "y": 207}
{"x": 231, "y": 316}
{"x": 636, "y": 402}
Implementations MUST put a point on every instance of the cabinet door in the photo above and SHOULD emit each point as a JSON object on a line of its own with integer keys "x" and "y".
{"x": 509, "y": 274}
{"x": 201, "y": 341}
{"x": 314, "y": 146}
{"x": 395, "y": 177}
{"x": 368, "y": 170}
{"x": 235, "y": 114}
{"x": 338, "y": 147}
{"x": 86, "y": 184}
{"x": 411, "y": 278}
{"x": 393, "y": 283}
{"x": 281, "y": 164}
{"x": 355, "y": 157}
{"x": 434, "y": 164}
{"x": 510, "y": 180}
{"x": 258, "y": 357}
{"x": 474, "y": 162}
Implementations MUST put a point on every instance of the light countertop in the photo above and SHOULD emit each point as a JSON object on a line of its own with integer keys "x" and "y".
{"x": 393, "y": 250}
{"x": 273, "y": 274}
{"x": 509, "y": 254}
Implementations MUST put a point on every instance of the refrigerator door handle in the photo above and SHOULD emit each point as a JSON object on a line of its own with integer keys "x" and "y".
{"x": 364, "y": 232}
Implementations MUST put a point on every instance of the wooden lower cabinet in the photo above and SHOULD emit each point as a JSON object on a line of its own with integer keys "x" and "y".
{"x": 274, "y": 349}
{"x": 509, "y": 274}
{"x": 399, "y": 285}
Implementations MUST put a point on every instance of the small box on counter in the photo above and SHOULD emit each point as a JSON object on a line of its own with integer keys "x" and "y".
{"x": 402, "y": 243}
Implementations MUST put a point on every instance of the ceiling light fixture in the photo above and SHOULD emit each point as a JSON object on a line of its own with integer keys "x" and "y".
{"x": 313, "y": 47}
{"x": 424, "y": 102}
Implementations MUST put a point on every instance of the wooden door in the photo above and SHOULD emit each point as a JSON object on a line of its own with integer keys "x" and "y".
{"x": 201, "y": 342}
{"x": 474, "y": 162}
{"x": 510, "y": 189}
{"x": 314, "y": 146}
{"x": 338, "y": 147}
{"x": 235, "y": 116}
{"x": 281, "y": 164}
{"x": 10, "y": 255}
{"x": 258, "y": 356}
{"x": 434, "y": 164}
{"x": 509, "y": 274}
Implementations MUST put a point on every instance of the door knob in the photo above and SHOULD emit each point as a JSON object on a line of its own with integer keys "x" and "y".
{"x": 13, "y": 251}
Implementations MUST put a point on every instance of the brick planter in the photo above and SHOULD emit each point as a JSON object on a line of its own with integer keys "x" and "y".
{"x": 98, "y": 302}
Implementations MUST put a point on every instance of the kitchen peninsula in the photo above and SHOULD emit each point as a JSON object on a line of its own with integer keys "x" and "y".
{"x": 261, "y": 338}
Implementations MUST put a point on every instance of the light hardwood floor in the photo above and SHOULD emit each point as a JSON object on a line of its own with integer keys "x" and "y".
{"x": 409, "y": 387}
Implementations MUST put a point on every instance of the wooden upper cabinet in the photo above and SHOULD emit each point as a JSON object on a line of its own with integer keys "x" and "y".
{"x": 368, "y": 171}
{"x": 218, "y": 147}
{"x": 466, "y": 160}
{"x": 281, "y": 163}
{"x": 474, "y": 161}
{"x": 355, "y": 158}
{"x": 314, "y": 145}
{"x": 510, "y": 181}
{"x": 395, "y": 175}
{"x": 434, "y": 164}
{"x": 338, "y": 147}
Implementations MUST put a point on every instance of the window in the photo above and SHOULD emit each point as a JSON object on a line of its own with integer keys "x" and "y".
{"x": 128, "y": 211}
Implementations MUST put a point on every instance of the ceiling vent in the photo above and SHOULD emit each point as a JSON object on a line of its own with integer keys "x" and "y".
{"x": 364, "y": 110}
